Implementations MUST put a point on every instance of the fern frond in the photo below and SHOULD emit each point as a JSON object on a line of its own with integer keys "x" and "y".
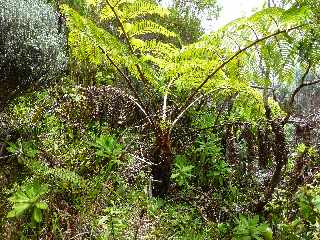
{"x": 143, "y": 8}
{"x": 61, "y": 174}
{"x": 154, "y": 47}
{"x": 143, "y": 27}
{"x": 87, "y": 40}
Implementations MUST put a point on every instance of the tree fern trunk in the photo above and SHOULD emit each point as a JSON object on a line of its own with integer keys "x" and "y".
{"x": 162, "y": 159}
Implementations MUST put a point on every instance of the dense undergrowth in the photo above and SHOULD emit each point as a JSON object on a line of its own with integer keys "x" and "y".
{"x": 95, "y": 186}
{"x": 140, "y": 139}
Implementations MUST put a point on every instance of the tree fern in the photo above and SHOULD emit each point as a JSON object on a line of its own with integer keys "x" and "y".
{"x": 166, "y": 81}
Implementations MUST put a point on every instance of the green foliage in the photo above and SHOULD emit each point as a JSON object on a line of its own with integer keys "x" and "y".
{"x": 165, "y": 65}
{"x": 206, "y": 7}
{"x": 179, "y": 221}
{"x": 211, "y": 167}
{"x": 251, "y": 228}
{"x": 28, "y": 198}
{"x": 186, "y": 14}
{"x": 220, "y": 170}
{"x": 185, "y": 17}
{"x": 107, "y": 147}
{"x": 309, "y": 203}
{"x": 182, "y": 171}
{"x": 27, "y": 153}
{"x": 93, "y": 149}
{"x": 114, "y": 222}
{"x": 95, "y": 44}
{"x": 301, "y": 148}
{"x": 303, "y": 209}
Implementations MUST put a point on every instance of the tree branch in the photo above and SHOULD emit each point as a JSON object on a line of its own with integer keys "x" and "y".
{"x": 296, "y": 91}
{"x": 261, "y": 88}
{"x": 165, "y": 98}
{"x": 138, "y": 102}
{"x": 190, "y": 105}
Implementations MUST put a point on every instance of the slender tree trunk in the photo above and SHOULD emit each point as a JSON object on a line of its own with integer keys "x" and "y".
{"x": 281, "y": 157}
{"x": 162, "y": 159}
{"x": 250, "y": 140}
{"x": 264, "y": 147}
{"x": 296, "y": 176}
{"x": 303, "y": 135}
{"x": 231, "y": 145}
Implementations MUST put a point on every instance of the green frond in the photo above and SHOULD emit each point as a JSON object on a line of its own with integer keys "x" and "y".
{"x": 154, "y": 47}
{"x": 86, "y": 39}
{"x": 129, "y": 10}
{"x": 265, "y": 14}
{"x": 143, "y": 27}
{"x": 143, "y": 8}
{"x": 296, "y": 15}
{"x": 92, "y": 2}
{"x": 107, "y": 14}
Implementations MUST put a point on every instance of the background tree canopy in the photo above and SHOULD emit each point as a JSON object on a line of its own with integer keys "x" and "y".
{"x": 186, "y": 16}
{"x": 154, "y": 130}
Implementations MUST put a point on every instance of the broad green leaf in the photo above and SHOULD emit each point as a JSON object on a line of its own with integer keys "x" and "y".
{"x": 268, "y": 235}
{"x": 20, "y": 197}
{"x": 18, "y": 209}
{"x": 35, "y": 190}
{"x": 37, "y": 215}
{"x": 42, "y": 205}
